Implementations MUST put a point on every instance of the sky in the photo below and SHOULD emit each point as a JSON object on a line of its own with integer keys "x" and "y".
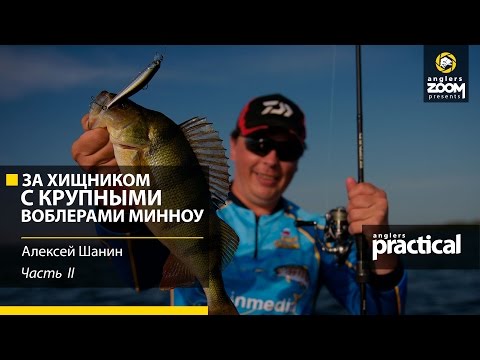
{"x": 424, "y": 155}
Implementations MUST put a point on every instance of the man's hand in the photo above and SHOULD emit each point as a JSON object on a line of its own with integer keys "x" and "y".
{"x": 93, "y": 150}
{"x": 368, "y": 205}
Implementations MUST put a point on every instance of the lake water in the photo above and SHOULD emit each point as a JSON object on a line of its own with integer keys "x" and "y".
{"x": 430, "y": 292}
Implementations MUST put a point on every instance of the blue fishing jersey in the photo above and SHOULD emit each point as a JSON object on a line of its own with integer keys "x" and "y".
{"x": 278, "y": 268}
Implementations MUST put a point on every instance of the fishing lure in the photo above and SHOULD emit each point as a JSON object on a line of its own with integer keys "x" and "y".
{"x": 139, "y": 82}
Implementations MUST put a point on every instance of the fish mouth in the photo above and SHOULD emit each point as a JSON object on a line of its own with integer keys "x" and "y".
{"x": 99, "y": 102}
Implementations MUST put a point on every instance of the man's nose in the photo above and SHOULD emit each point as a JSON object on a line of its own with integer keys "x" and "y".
{"x": 271, "y": 157}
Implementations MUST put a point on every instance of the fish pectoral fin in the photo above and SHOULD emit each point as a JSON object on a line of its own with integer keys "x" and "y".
{"x": 175, "y": 274}
{"x": 130, "y": 156}
{"x": 229, "y": 243}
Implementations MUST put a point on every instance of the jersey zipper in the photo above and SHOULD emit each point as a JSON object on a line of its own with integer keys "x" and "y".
{"x": 255, "y": 253}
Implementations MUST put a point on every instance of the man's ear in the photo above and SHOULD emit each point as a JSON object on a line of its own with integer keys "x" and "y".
{"x": 233, "y": 148}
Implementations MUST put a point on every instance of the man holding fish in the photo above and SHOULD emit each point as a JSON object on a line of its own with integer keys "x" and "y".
{"x": 278, "y": 266}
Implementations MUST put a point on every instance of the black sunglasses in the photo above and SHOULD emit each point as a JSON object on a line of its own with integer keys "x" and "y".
{"x": 290, "y": 150}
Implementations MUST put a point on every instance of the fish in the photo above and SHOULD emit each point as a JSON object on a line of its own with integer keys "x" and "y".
{"x": 187, "y": 162}
{"x": 296, "y": 273}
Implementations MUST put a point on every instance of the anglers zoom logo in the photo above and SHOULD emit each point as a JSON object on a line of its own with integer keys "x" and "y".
{"x": 440, "y": 87}
{"x": 446, "y": 62}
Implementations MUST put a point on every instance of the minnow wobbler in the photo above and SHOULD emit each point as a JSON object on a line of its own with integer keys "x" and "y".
{"x": 139, "y": 82}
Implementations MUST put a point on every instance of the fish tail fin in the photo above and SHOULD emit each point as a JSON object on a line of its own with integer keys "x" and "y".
{"x": 229, "y": 242}
{"x": 217, "y": 299}
{"x": 175, "y": 274}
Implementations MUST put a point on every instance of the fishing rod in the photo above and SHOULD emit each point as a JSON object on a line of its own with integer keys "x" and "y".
{"x": 336, "y": 239}
{"x": 361, "y": 243}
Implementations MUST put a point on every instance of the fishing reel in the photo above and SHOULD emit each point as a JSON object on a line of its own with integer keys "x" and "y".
{"x": 336, "y": 238}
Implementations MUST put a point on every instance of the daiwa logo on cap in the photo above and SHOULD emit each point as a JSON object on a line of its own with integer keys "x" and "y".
{"x": 277, "y": 107}
{"x": 439, "y": 87}
{"x": 272, "y": 111}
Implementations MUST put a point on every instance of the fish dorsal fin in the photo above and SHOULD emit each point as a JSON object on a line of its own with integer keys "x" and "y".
{"x": 208, "y": 148}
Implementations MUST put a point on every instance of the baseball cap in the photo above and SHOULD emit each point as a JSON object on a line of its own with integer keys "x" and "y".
{"x": 271, "y": 112}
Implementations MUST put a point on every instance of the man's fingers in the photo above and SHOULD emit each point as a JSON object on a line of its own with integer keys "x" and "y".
{"x": 103, "y": 156}
{"x": 350, "y": 183}
{"x": 92, "y": 149}
{"x": 90, "y": 142}
{"x": 110, "y": 167}
{"x": 84, "y": 122}
{"x": 361, "y": 189}
{"x": 360, "y": 201}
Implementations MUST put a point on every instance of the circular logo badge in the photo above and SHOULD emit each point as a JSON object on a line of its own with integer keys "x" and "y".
{"x": 446, "y": 62}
